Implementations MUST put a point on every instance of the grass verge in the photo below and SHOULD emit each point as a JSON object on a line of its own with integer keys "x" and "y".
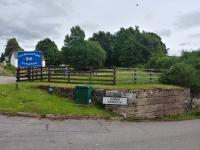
{"x": 29, "y": 99}
{"x": 119, "y": 86}
{"x": 184, "y": 116}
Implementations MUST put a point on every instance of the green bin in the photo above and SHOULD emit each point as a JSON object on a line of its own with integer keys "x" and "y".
{"x": 83, "y": 95}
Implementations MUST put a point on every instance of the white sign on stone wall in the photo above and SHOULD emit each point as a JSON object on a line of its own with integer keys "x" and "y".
{"x": 114, "y": 101}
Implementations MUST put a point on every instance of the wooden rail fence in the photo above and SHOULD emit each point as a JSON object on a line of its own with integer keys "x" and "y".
{"x": 66, "y": 75}
{"x": 104, "y": 76}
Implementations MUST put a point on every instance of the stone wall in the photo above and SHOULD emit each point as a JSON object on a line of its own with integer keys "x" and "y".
{"x": 195, "y": 101}
{"x": 151, "y": 103}
{"x": 142, "y": 104}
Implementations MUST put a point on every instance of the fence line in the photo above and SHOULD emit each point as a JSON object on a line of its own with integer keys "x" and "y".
{"x": 106, "y": 76}
{"x": 136, "y": 75}
{"x": 66, "y": 75}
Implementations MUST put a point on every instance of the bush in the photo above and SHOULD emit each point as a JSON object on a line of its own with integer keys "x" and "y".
{"x": 10, "y": 67}
{"x": 161, "y": 62}
{"x": 182, "y": 74}
{"x": 192, "y": 58}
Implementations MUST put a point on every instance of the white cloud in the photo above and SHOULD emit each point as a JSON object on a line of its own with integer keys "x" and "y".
{"x": 32, "y": 20}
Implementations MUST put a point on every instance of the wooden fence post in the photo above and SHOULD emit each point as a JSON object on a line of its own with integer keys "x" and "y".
{"x": 114, "y": 75}
{"x": 18, "y": 74}
{"x": 49, "y": 74}
{"x": 135, "y": 75}
{"x": 150, "y": 75}
{"x": 68, "y": 73}
{"x": 90, "y": 77}
{"x": 29, "y": 74}
{"x": 41, "y": 70}
{"x": 36, "y": 74}
{"x": 32, "y": 74}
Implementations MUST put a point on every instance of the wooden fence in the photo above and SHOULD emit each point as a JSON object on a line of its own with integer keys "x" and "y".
{"x": 103, "y": 76}
{"x": 67, "y": 75}
{"x": 137, "y": 75}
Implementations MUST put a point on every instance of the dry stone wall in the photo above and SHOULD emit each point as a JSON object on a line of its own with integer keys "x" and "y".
{"x": 151, "y": 103}
{"x": 141, "y": 104}
{"x": 195, "y": 101}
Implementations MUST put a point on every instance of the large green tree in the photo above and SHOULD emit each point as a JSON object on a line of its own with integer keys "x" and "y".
{"x": 80, "y": 53}
{"x": 153, "y": 43}
{"x": 105, "y": 39}
{"x": 132, "y": 47}
{"x": 11, "y": 46}
{"x": 129, "y": 46}
{"x": 50, "y": 51}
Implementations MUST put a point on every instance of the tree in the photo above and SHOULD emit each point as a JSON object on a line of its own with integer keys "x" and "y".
{"x": 50, "y": 51}
{"x": 153, "y": 43}
{"x": 2, "y": 58}
{"x": 77, "y": 35}
{"x": 12, "y": 46}
{"x": 132, "y": 47}
{"x": 105, "y": 39}
{"x": 80, "y": 53}
{"x": 127, "y": 50}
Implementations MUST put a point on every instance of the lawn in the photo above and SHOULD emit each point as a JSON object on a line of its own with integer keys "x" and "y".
{"x": 118, "y": 86}
{"x": 29, "y": 99}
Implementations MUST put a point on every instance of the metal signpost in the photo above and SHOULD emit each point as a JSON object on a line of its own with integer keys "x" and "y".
{"x": 114, "y": 101}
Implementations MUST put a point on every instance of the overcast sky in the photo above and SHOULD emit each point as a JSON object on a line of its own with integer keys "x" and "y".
{"x": 176, "y": 21}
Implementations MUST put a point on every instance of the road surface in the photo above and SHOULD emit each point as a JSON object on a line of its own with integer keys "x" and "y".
{"x": 33, "y": 134}
{"x": 6, "y": 80}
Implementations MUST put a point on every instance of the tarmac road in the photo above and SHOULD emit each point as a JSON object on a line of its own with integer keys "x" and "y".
{"x": 18, "y": 133}
{"x": 6, "y": 80}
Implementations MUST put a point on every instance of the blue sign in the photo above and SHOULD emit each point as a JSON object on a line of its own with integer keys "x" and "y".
{"x": 31, "y": 59}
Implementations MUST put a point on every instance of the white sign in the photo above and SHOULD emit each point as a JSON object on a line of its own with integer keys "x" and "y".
{"x": 114, "y": 101}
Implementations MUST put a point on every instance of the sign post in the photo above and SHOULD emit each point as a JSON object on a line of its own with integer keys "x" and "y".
{"x": 29, "y": 60}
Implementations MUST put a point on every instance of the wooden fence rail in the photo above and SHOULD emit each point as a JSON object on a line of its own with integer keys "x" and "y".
{"x": 66, "y": 75}
{"x": 136, "y": 75}
{"x": 105, "y": 76}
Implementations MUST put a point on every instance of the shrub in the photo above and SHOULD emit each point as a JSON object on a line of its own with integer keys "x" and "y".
{"x": 161, "y": 62}
{"x": 192, "y": 58}
{"x": 184, "y": 75}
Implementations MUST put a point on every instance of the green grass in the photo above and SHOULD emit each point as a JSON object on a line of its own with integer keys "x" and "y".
{"x": 29, "y": 99}
{"x": 119, "y": 86}
{"x": 184, "y": 116}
